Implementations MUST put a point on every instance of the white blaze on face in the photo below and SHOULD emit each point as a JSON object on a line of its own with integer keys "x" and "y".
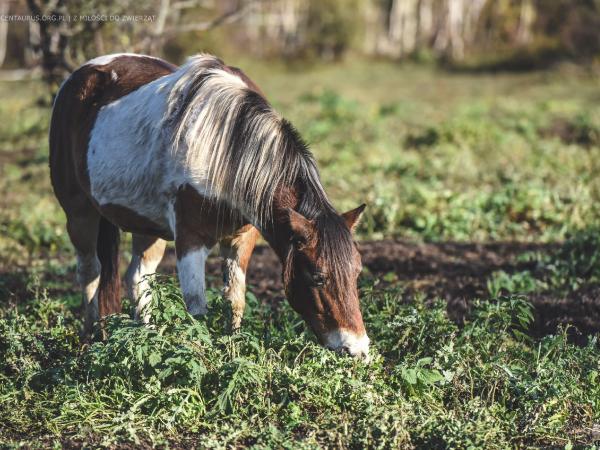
{"x": 348, "y": 341}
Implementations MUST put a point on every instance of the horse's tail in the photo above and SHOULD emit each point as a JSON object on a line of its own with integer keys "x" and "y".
{"x": 109, "y": 291}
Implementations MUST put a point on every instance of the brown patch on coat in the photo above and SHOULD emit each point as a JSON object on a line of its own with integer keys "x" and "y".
{"x": 131, "y": 221}
{"x": 295, "y": 240}
{"x": 201, "y": 222}
{"x": 241, "y": 244}
{"x": 149, "y": 248}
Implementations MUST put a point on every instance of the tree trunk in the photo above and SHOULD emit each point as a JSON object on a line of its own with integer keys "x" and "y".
{"x": 473, "y": 13}
{"x": 372, "y": 27}
{"x": 53, "y": 41}
{"x": 526, "y": 20}
{"x": 3, "y": 31}
{"x": 449, "y": 40}
{"x": 425, "y": 27}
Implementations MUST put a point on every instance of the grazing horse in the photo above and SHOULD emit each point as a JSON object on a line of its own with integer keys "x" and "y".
{"x": 195, "y": 154}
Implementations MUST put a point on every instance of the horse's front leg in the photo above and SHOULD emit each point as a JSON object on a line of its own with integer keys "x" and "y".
{"x": 146, "y": 254}
{"x": 193, "y": 241}
{"x": 236, "y": 251}
{"x": 191, "y": 263}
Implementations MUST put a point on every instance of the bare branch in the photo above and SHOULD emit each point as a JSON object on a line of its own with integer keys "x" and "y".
{"x": 185, "y": 4}
{"x": 227, "y": 18}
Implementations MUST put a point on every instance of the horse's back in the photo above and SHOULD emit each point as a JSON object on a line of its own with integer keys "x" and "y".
{"x": 111, "y": 142}
{"x": 97, "y": 83}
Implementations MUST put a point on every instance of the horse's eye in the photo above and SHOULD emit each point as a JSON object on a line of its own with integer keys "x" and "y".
{"x": 298, "y": 242}
{"x": 319, "y": 279}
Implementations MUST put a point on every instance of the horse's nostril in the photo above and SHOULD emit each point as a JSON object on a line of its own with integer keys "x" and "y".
{"x": 348, "y": 343}
{"x": 360, "y": 354}
{"x": 364, "y": 356}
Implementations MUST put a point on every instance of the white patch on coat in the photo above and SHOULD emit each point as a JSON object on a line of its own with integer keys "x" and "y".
{"x": 346, "y": 340}
{"x": 190, "y": 269}
{"x": 147, "y": 144}
{"x": 137, "y": 283}
{"x": 88, "y": 275}
{"x": 128, "y": 158}
{"x": 235, "y": 290}
{"x": 107, "y": 59}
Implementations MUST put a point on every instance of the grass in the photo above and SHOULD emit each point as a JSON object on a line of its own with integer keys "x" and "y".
{"x": 437, "y": 157}
{"x": 574, "y": 265}
{"x": 183, "y": 381}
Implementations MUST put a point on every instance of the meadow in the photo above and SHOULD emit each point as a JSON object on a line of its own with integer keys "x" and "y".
{"x": 481, "y": 287}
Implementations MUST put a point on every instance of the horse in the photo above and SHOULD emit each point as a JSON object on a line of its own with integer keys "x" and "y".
{"x": 196, "y": 154}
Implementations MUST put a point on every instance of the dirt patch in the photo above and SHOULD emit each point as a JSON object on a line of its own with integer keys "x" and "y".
{"x": 570, "y": 132}
{"x": 455, "y": 272}
{"x": 22, "y": 158}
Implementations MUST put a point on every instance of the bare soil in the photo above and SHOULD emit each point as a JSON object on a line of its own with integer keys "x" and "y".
{"x": 455, "y": 272}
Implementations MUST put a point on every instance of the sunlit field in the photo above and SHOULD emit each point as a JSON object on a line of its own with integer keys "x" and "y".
{"x": 480, "y": 292}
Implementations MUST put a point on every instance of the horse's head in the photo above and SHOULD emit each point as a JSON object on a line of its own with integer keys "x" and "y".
{"x": 320, "y": 277}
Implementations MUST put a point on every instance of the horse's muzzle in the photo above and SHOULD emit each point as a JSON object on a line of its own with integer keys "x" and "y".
{"x": 348, "y": 342}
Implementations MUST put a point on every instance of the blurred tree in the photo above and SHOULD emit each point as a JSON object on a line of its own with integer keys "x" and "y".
{"x": 50, "y": 41}
{"x": 3, "y": 30}
{"x": 474, "y": 33}
{"x": 330, "y": 27}
{"x": 81, "y": 29}
{"x": 302, "y": 28}
{"x": 526, "y": 20}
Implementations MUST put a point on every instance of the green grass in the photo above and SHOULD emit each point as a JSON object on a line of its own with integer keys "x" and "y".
{"x": 574, "y": 265}
{"x": 437, "y": 157}
{"x": 430, "y": 384}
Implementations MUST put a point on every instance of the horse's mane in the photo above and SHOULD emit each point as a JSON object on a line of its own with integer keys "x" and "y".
{"x": 231, "y": 138}
{"x": 227, "y": 133}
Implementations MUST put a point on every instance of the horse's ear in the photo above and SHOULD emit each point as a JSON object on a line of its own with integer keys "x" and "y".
{"x": 352, "y": 217}
{"x": 300, "y": 225}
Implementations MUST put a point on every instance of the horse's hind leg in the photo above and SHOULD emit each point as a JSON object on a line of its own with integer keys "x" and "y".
{"x": 146, "y": 254}
{"x": 83, "y": 231}
{"x": 236, "y": 251}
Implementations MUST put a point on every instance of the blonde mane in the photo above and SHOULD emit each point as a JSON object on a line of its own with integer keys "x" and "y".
{"x": 229, "y": 138}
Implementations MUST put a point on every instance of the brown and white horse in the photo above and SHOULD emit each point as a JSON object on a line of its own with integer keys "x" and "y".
{"x": 197, "y": 155}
